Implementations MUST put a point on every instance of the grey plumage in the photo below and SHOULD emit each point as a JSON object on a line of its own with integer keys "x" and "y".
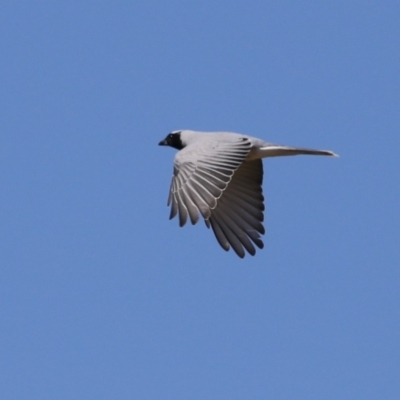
{"x": 219, "y": 176}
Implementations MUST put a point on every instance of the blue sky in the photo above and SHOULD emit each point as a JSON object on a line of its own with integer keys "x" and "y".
{"x": 102, "y": 296}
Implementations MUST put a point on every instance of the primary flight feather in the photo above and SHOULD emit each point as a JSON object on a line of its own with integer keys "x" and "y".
{"x": 219, "y": 175}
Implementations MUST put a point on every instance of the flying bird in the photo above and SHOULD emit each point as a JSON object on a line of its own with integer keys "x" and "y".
{"x": 219, "y": 176}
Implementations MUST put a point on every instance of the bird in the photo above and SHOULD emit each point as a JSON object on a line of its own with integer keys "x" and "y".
{"x": 219, "y": 176}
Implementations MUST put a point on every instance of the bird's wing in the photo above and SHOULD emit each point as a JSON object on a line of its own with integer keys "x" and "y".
{"x": 202, "y": 172}
{"x": 237, "y": 220}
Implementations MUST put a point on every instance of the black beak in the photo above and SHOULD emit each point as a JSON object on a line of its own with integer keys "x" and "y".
{"x": 163, "y": 143}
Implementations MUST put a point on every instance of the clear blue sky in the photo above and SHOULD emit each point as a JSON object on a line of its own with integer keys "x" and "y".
{"x": 102, "y": 297}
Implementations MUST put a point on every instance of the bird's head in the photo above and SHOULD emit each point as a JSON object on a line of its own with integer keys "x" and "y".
{"x": 174, "y": 140}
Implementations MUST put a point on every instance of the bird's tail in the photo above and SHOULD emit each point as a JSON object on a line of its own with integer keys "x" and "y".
{"x": 274, "y": 150}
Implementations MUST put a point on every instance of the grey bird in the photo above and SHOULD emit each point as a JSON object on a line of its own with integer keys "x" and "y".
{"x": 219, "y": 175}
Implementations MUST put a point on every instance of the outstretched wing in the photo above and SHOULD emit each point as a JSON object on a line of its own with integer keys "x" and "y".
{"x": 212, "y": 178}
{"x": 202, "y": 172}
{"x": 237, "y": 220}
